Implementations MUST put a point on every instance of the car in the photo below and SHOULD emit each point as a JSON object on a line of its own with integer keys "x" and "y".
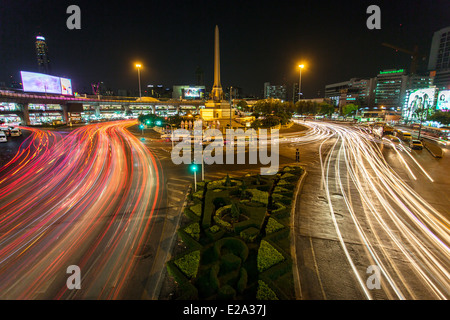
{"x": 6, "y": 131}
{"x": 392, "y": 138}
{"x": 416, "y": 144}
{"x": 3, "y": 137}
{"x": 16, "y": 132}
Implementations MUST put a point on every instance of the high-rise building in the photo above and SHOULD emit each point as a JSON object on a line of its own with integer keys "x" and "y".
{"x": 42, "y": 55}
{"x": 391, "y": 88}
{"x": 274, "y": 91}
{"x": 439, "y": 60}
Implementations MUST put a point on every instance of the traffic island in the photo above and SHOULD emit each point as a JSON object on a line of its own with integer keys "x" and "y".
{"x": 237, "y": 239}
{"x": 435, "y": 150}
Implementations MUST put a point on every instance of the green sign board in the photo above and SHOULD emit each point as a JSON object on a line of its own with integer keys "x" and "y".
{"x": 392, "y": 71}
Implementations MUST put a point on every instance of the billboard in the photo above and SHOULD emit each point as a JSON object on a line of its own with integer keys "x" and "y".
{"x": 443, "y": 101}
{"x": 44, "y": 83}
{"x": 193, "y": 93}
{"x": 66, "y": 86}
{"x": 417, "y": 100}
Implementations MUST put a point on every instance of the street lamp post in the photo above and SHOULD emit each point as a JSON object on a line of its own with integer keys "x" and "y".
{"x": 300, "y": 82}
{"x": 231, "y": 101}
{"x": 138, "y": 66}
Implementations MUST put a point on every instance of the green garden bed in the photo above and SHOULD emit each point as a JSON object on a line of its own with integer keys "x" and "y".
{"x": 237, "y": 239}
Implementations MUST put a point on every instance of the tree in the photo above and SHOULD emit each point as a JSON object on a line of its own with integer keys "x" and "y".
{"x": 325, "y": 108}
{"x": 441, "y": 117}
{"x": 175, "y": 120}
{"x": 242, "y": 105}
{"x": 235, "y": 212}
{"x": 227, "y": 181}
{"x": 349, "y": 109}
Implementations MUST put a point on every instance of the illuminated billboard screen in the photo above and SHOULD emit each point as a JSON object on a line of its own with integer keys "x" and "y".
{"x": 43, "y": 83}
{"x": 443, "y": 101}
{"x": 420, "y": 99}
{"x": 193, "y": 93}
{"x": 38, "y": 82}
{"x": 66, "y": 86}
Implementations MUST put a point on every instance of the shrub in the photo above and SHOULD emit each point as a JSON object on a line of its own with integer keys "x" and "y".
{"x": 189, "y": 263}
{"x": 226, "y": 293}
{"x": 193, "y": 230}
{"x": 198, "y": 194}
{"x": 280, "y": 208}
{"x": 229, "y": 262}
{"x": 242, "y": 282}
{"x": 197, "y": 209}
{"x": 259, "y": 196}
{"x": 273, "y": 226}
{"x": 222, "y": 210}
{"x": 234, "y": 245}
{"x": 249, "y": 234}
{"x": 220, "y": 201}
{"x": 264, "y": 292}
{"x": 214, "y": 229}
{"x": 283, "y": 183}
{"x": 268, "y": 256}
{"x": 280, "y": 189}
{"x": 235, "y": 212}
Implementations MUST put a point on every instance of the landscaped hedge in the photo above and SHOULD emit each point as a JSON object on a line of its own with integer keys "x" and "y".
{"x": 243, "y": 256}
{"x": 265, "y": 292}
{"x": 188, "y": 240}
{"x": 193, "y": 230}
{"x": 268, "y": 256}
{"x": 259, "y": 196}
{"x": 273, "y": 226}
{"x": 189, "y": 291}
{"x": 235, "y": 245}
{"x": 188, "y": 263}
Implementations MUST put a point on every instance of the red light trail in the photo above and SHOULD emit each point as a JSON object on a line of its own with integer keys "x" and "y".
{"x": 84, "y": 199}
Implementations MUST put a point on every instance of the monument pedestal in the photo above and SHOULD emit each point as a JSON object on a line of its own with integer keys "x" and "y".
{"x": 215, "y": 111}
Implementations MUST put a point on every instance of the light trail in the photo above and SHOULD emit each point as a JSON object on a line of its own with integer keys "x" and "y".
{"x": 407, "y": 238}
{"x": 84, "y": 199}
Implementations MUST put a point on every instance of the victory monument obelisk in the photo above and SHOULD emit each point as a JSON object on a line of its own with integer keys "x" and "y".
{"x": 217, "y": 108}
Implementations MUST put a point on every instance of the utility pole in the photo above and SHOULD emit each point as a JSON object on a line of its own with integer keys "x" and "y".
{"x": 231, "y": 101}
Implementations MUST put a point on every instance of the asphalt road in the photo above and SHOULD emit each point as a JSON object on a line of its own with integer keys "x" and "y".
{"x": 109, "y": 200}
{"x": 88, "y": 197}
{"x": 367, "y": 203}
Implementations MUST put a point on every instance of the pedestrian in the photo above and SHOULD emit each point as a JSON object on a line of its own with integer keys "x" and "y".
{"x": 297, "y": 155}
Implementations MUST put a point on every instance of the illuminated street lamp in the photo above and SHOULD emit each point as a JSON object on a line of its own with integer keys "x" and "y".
{"x": 300, "y": 82}
{"x": 139, "y": 66}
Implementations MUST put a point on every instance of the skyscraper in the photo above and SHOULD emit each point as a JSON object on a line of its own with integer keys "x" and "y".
{"x": 439, "y": 61}
{"x": 42, "y": 55}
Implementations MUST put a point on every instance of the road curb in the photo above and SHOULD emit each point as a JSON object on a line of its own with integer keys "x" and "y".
{"x": 169, "y": 254}
{"x": 295, "y": 273}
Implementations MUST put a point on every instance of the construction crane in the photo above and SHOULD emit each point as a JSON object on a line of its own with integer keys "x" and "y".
{"x": 415, "y": 55}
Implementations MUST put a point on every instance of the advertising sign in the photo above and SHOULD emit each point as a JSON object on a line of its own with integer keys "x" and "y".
{"x": 66, "y": 86}
{"x": 44, "y": 83}
{"x": 419, "y": 102}
{"x": 192, "y": 93}
{"x": 38, "y": 82}
{"x": 443, "y": 101}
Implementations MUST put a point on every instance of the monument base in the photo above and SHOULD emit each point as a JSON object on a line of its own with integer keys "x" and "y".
{"x": 216, "y": 110}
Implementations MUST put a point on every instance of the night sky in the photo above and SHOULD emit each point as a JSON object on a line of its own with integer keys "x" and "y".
{"x": 261, "y": 41}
